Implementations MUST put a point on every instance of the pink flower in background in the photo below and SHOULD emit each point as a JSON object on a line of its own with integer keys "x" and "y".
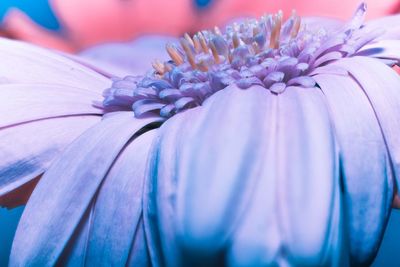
{"x": 90, "y": 22}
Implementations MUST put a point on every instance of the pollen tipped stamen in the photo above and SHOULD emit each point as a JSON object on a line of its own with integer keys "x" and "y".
{"x": 188, "y": 51}
{"x": 214, "y": 53}
{"x": 202, "y": 66}
{"x": 159, "y": 67}
{"x": 174, "y": 54}
{"x": 189, "y": 39}
{"x": 255, "y": 47}
{"x": 256, "y": 30}
{"x": 167, "y": 67}
{"x": 217, "y": 31}
{"x": 212, "y": 60}
{"x": 296, "y": 26}
{"x": 235, "y": 40}
{"x": 275, "y": 35}
{"x": 203, "y": 42}
{"x": 196, "y": 43}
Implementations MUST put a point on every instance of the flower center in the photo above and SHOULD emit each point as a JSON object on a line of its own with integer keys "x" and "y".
{"x": 265, "y": 52}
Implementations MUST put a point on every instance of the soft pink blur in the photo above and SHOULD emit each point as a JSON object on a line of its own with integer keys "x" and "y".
{"x": 91, "y": 22}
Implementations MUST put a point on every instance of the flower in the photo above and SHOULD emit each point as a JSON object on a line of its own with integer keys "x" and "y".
{"x": 269, "y": 143}
{"x": 93, "y": 22}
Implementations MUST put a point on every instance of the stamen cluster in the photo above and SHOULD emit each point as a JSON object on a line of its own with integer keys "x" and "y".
{"x": 266, "y": 52}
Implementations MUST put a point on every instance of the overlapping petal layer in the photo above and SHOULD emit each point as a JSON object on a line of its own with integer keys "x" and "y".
{"x": 299, "y": 171}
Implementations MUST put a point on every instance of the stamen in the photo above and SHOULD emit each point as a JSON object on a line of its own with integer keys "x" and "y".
{"x": 159, "y": 67}
{"x": 189, "y": 39}
{"x": 202, "y": 66}
{"x": 186, "y": 47}
{"x": 214, "y": 53}
{"x": 296, "y": 25}
{"x": 255, "y": 47}
{"x": 174, "y": 54}
{"x": 235, "y": 40}
{"x": 217, "y": 30}
{"x": 212, "y": 60}
{"x": 203, "y": 42}
{"x": 167, "y": 67}
{"x": 275, "y": 35}
{"x": 256, "y": 30}
{"x": 197, "y": 45}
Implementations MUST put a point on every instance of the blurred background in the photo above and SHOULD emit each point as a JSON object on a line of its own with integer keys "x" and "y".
{"x": 75, "y": 25}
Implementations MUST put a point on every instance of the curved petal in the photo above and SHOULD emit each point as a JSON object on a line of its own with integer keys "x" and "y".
{"x": 205, "y": 172}
{"x": 28, "y": 149}
{"x": 114, "y": 224}
{"x": 160, "y": 190}
{"x": 29, "y": 102}
{"x": 258, "y": 240}
{"x": 385, "y": 49}
{"x": 308, "y": 192}
{"x": 122, "y": 59}
{"x": 365, "y": 165}
{"x": 118, "y": 207}
{"x": 139, "y": 255}
{"x": 391, "y": 24}
{"x": 383, "y": 92}
{"x": 25, "y": 63}
{"x": 67, "y": 189}
{"x": 216, "y": 171}
{"x": 37, "y": 121}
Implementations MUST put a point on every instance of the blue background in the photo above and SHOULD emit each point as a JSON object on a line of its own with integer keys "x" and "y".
{"x": 38, "y": 10}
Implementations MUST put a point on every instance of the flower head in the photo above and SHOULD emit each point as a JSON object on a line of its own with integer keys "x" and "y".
{"x": 270, "y": 143}
{"x": 268, "y": 52}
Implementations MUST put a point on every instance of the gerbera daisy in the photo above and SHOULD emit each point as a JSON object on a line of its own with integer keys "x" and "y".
{"x": 268, "y": 143}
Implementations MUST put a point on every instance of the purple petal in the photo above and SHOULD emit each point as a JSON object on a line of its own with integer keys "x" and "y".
{"x": 27, "y": 150}
{"x": 327, "y": 58}
{"x": 365, "y": 165}
{"x": 307, "y": 169}
{"x": 304, "y": 81}
{"x": 386, "y": 49}
{"x": 257, "y": 240}
{"x": 216, "y": 167}
{"x": 67, "y": 189}
{"x": 28, "y": 102}
{"x": 161, "y": 189}
{"x": 329, "y": 69}
{"x": 382, "y": 90}
{"x": 391, "y": 25}
{"x": 25, "y": 63}
{"x": 118, "y": 207}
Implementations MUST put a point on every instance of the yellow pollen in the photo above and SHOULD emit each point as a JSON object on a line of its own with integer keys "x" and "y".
{"x": 296, "y": 27}
{"x": 255, "y": 47}
{"x": 202, "y": 66}
{"x": 197, "y": 45}
{"x": 173, "y": 53}
{"x": 203, "y": 42}
{"x": 235, "y": 40}
{"x": 158, "y": 66}
{"x": 188, "y": 51}
{"x": 214, "y": 53}
{"x": 276, "y": 31}
{"x": 217, "y": 30}
{"x": 256, "y": 31}
{"x": 189, "y": 39}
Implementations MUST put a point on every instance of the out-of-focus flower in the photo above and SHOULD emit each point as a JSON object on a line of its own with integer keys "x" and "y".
{"x": 269, "y": 143}
{"x": 92, "y": 21}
